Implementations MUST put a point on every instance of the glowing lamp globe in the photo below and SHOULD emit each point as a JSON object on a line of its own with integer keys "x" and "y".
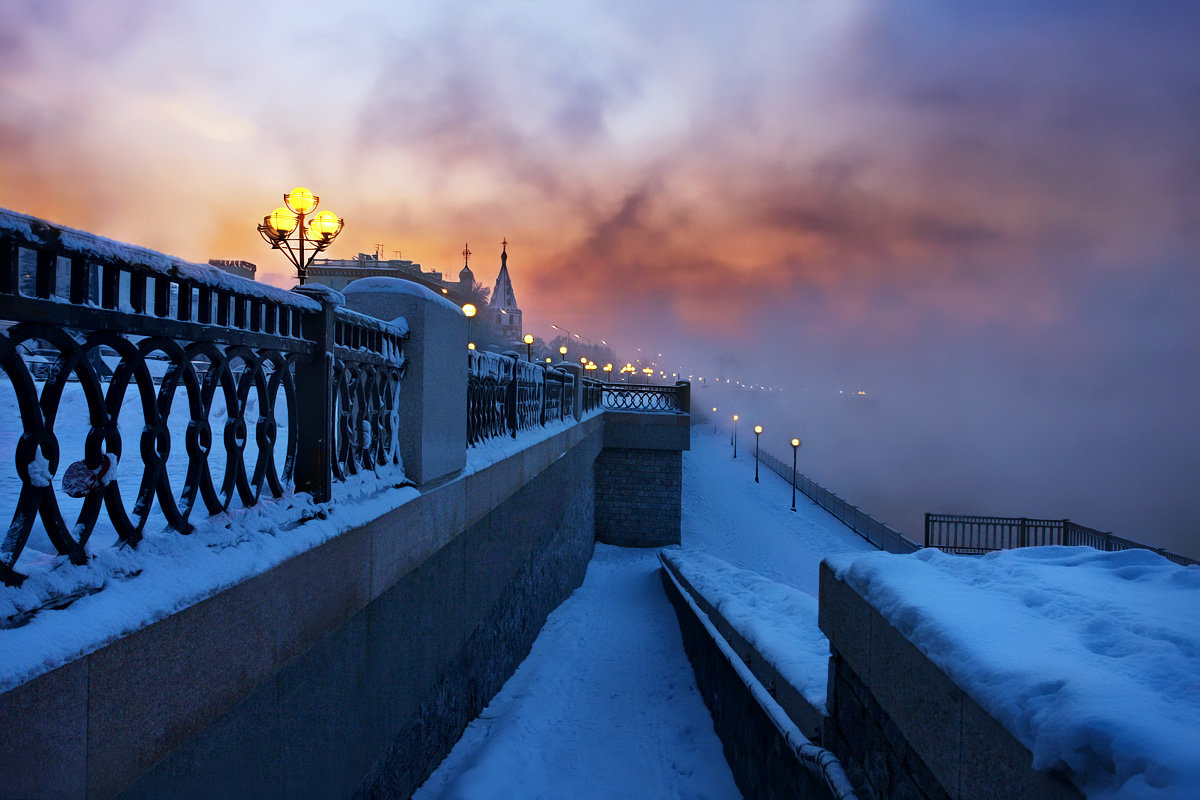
{"x": 795, "y": 442}
{"x": 735, "y": 417}
{"x": 528, "y": 338}
{"x": 300, "y": 200}
{"x": 758, "y": 428}
{"x": 469, "y": 310}
{"x": 281, "y": 222}
{"x": 324, "y": 227}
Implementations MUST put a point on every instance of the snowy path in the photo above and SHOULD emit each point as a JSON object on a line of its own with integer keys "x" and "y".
{"x": 605, "y": 706}
{"x": 727, "y": 515}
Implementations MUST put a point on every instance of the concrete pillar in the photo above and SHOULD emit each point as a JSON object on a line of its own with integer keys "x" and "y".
{"x": 433, "y": 394}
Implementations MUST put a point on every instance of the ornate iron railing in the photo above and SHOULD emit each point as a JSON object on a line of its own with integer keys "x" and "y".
{"x": 593, "y": 395}
{"x": 506, "y": 394}
{"x": 961, "y": 533}
{"x": 221, "y": 387}
{"x": 624, "y": 397}
{"x": 880, "y": 534}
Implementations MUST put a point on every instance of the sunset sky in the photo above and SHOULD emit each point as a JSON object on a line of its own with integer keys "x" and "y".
{"x": 1001, "y": 194}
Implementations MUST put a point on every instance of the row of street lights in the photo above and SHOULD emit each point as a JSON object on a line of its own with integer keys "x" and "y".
{"x": 758, "y": 429}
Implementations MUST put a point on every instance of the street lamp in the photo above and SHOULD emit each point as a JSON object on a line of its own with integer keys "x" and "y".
{"x": 735, "y": 419}
{"x": 469, "y": 312}
{"x": 562, "y": 351}
{"x": 285, "y": 229}
{"x": 528, "y": 347}
{"x": 608, "y": 373}
{"x": 757, "y": 431}
{"x": 795, "y": 447}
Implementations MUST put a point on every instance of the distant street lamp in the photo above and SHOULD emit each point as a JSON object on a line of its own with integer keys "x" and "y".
{"x": 795, "y": 447}
{"x": 608, "y": 373}
{"x": 562, "y": 351}
{"x": 285, "y": 229}
{"x": 757, "y": 431}
{"x": 528, "y": 347}
{"x": 469, "y": 312}
{"x": 735, "y": 419}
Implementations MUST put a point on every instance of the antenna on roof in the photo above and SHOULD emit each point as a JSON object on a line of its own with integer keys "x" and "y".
{"x": 466, "y": 254}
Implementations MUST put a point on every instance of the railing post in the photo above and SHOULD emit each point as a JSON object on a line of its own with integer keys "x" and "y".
{"x": 510, "y": 397}
{"x": 684, "y": 389}
{"x": 314, "y": 400}
{"x": 928, "y": 531}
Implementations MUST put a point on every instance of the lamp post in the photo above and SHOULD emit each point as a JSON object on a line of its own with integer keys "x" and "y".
{"x": 608, "y": 373}
{"x": 795, "y": 447}
{"x": 285, "y": 229}
{"x": 735, "y": 419}
{"x": 757, "y": 431}
{"x": 469, "y": 312}
{"x": 562, "y": 351}
{"x": 528, "y": 347}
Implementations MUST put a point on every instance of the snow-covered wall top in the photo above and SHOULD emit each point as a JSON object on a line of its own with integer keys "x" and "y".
{"x": 1090, "y": 659}
{"x": 71, "y": 242}
{"x": 387, "y": 285}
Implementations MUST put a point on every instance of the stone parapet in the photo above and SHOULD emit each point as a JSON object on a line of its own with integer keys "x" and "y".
{"x": 905, "y": 729}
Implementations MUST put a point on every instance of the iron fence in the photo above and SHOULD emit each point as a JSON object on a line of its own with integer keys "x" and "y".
{"x": 506, "y": 394}
{"x": 877, "y": 533}
{"x": 963, "y": 533}
{"x": 625, "y": 397}
{"x": 110, "y": 348}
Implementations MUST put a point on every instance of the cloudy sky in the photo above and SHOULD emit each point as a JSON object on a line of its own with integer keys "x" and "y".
{"x": 996, "y": 203}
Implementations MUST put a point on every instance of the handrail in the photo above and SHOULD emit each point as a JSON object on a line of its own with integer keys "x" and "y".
{"x": 974, "y": 534}
{"x": 880, "y": 534}
{"x": 506, "y": 395}
{"x": 631, "y": 397}
{"x": 226, "y": 387}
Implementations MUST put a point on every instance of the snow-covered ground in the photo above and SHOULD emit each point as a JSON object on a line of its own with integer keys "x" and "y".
{"x": 1091, "y": 659}
{"x": 751, "y": 525}
{"x": 606, "y": 704}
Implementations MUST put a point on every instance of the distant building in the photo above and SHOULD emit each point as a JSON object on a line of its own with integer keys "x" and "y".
{"x": 503, "y": 312}
{"x": 243, "y": 269}
{"x": 337, "y": 273}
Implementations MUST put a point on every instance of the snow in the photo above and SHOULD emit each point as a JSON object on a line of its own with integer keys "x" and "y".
{"x": 1090, "y": 659}
{"x": 86, "y": 244}
{"x": 385, "y": 285}
{"x": 751, "y": 525}
{"x": 778, "y": 621}
{"x": 122, "y": 589}
{"x": 604, "y": 706}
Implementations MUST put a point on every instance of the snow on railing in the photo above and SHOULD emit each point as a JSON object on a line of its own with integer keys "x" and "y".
{"x": 142, "y": 386}
{"x": 506, "y": 395}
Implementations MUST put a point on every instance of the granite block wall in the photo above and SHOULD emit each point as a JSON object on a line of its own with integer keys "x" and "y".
{"x": 638, "y": 497}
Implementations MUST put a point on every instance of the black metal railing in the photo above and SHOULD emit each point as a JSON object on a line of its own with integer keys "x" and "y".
{"x": 625, "y": 397}
{"x": 506, "y": 395}
{"x": 963, "y": 533}
{"x": 593, "y": 395}
{"x": 220, "y": 387}
{"x": 880, "y": 534}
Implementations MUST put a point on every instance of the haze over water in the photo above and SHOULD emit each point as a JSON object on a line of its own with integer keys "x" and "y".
{"x": 985, "y": 215}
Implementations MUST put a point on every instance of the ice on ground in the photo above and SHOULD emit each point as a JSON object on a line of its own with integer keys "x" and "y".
{"x": 1090, "y": 659}
{"x": 604, "y": 706}
{"x": 780, "y": 622}
{"x": 751, "y": 525}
